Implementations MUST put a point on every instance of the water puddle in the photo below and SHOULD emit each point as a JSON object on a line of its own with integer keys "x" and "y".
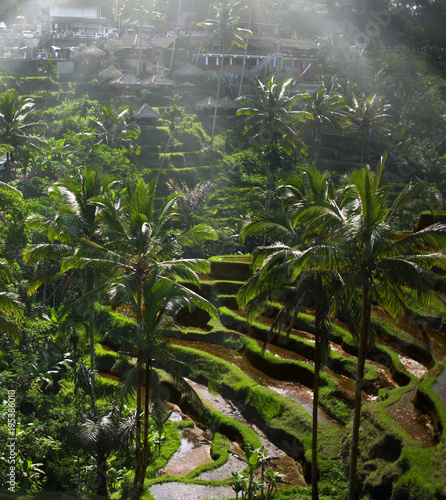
{"x": 290, "y": 468}
{"x": 181, "y": 491}
{"x": 293, "y": 390}
{"x": 416, "y": 424}
{"x": 193, "y": 452}
{"x": 412, "y": 366}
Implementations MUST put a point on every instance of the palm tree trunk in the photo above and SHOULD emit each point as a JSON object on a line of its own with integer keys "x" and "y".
{"x": 138, "y": 451}
{"x": 314, "y": 461}
{"x": 101, "y": 475}
{"x": 145, "y": 450}
{"x": 313, "y": 142}
{"x": 362, "y": 349}
{"x": 138, "y": 424}
{"x": 362, "y": 148}
{"x": 218, "y": 96}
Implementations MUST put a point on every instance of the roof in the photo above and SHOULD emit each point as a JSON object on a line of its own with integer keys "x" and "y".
{"x": 92, "y": 51}
{"x": 145, "y": 111}
{"x": 127, "y": 79}
{"x": 207, "y": 103}
{"x": 228, "y": 103}
{"x": 109, "y": 73}
{"x": 189, "y": 70}
{"x": 159, "y": 81}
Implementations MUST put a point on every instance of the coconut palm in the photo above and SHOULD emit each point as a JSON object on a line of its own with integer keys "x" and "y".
{"x": 294, "y": 271}
{"x": 269, "y": 122}
{"x": 142, "y": 249}
{"x": 14, "y": 125}
{"x": 325, "y": 108}
{"x": 138, "y": 12}
{"x": 370, "y": 115}
{"x": 224, "y": 30}
{"x": 172, "y": 115}
{"x": 75, "y": 219}
{"x": 378, "y": 267}
{"x": 11, "y": 308}
{"x": 113, "y": 128}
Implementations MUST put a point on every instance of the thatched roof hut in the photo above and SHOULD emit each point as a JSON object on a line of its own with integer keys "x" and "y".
{"x": 229, "y": 104}
{"x": 109, "y": 73}
{"x": 190, "y": 72}
{"x": 93, "y": 53}
{"x": 207, "y": 104}
{"x": 127, "y": 80}
{"x": 159, "y": 81}
{"x": 146, "y": 115}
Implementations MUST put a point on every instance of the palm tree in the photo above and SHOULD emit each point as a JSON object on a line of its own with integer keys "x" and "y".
{"x": 76, "y": 218}
{"x": 11, "y": 308}
{"x": 294, "y": 271}
{"x": 173, "y": 115}
{"x": 112, "y": 128}
{"x": 193, "y": 201}
{"x": 101, "y": 435}
{"x": 269, "y": 121}
{"x": 14, "y": 111}
{"x": 138, "y": 12}
{"x": 378, "y": 267}
{"x": 141, "y": 248}
{"x": 370, "y": 114}
{"x": 324, "y": 108}
{"x": 225, "y": 31}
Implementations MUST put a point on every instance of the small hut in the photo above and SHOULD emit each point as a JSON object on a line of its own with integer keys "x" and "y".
{"x": 109, "y": 73}
{"x": 229, "y": 105}
{"x": 127, "y": 82}
{"x": 190, "y": 73}
{"x": 93, "y": 55}
{"x": 146, "y": 116}
{"x": 207, "y": 105}
{"x": 161, "y": 82}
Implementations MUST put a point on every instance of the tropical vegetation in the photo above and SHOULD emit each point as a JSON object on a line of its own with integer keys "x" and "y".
{"x": 270, "y": 280}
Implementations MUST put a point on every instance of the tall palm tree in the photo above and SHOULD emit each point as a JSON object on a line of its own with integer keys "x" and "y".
{"x": 113, "y": 128}
{"x": 378, "y": 267}
{"x": 294, "y": 271}
{"x": 172, "y": 115}
{"x": 138, "y": 12}
{"x": 370, "y": 115}
{"x": 142, "y": 250}
{"x": 11, "y": 309}
{"x": 269, "y": 121}
{"x": 225, "y": 31}
{"x": 77, "y": 218}
{"x": 324, "y": 108}
{"x": 14, "y": 125}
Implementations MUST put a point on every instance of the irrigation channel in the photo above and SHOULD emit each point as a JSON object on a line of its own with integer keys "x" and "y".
{"x": 195, "y": 443}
